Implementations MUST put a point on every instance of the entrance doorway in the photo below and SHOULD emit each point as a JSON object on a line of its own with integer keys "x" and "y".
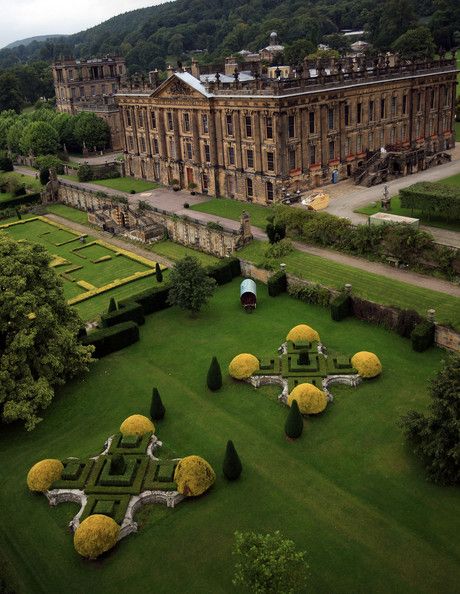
{"x": 189, "y": 172}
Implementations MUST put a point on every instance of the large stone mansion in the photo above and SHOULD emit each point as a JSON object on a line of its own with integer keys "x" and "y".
{"x": 259, "y": 139}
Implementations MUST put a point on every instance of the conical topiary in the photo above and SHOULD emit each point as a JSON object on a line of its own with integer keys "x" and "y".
{"x": 112, "y": 305}
{"x": 214, "y": 379}
{"x": 158, "y": 273}
{"x": 232, "y": 464}
{"x": 294, "y": 422}
{"x": 157, "y": 410}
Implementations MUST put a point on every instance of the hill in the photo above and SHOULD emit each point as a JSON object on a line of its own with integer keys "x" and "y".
{"x": 29, "y": 40}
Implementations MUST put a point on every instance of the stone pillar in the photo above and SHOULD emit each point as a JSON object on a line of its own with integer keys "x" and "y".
{"x": 323, "y": 135}
{"x": 303, "y": 133}
{"x": 257, "y": 143}
{"x": 134, "y": 128}
{"x": 215, "y": 141}
{"x": 237, "y": 134}
{"x": 198, "y": 159}
{"x": 147, "y": 133}
{"x": 281, "y": 167}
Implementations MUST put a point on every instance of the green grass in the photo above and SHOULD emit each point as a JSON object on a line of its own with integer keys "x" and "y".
{"x": 29, "y": 182}
{"x": 348, "y": 492}
{"x": 126, "y": 184}
{"x": 67, "y": 212}
{"x": 175, "y": 251}
{"x": 232, "y": 209}
{"x": 365, "y": 284}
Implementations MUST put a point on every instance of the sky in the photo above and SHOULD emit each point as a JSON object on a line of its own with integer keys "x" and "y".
{"x": 26, "y": 18}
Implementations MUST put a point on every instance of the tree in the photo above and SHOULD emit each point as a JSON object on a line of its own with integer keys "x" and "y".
{"x": 39, "y": 348}
{"x": 10, "y": 97}
{"x": 415, "y": 44}
{"x": 275, "y": 232}
{"x": 232, "y": 464}
{"x": 294, "y": 422}
{"x": 44, "y": 175}
{"x": 112, "y": 305}
{"x": 39, "y": 138}
{"x": 435, "y": 437}
{"x": 338, "y": 42}
{"x": 157, "y": 410}
{"x": 389, "y": 20}
{"x": 269, "y": 564}
{"x": 214, "y": 379}
{"x": 191, "y": 287}
{"x": 158, "y": 273}
{"x": 91, "y": 131}
{"x": 296, "y": 52}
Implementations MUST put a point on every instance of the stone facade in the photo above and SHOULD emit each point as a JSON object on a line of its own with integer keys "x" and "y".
{"x": 258, "y": 140}
{"x": 90, "y": 85}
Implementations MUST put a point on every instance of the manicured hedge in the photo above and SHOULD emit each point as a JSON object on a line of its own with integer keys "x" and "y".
{"x": 19, "y": 200}
{"x": 128, "y": 312}
{"x": 341, "y": 307}
{"x": 432, "y": 198}
{"x": 151, "y": 300}
{"x": 422, "y": 336}
{"x": 109, "y": 340}
{"x": 224, "y": 271}
{"x": 277, "y": 284}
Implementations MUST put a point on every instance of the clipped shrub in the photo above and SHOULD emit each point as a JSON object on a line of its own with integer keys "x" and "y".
{"x": 294, "y": 422}
{"x": 302, "y": 333}
{"x": 6, "y": 164}
{"x": 243, "y": 366}
{"x": 222, "y": 272}
{"x": 43, "y": 474}
{"x": 129, "y": 312}
{"x": 310, "y": 293}
{"x": 85, "y": 173}
{"x": 158, "y": 273}
{"x": 109, "y": 340}
{"x": 95, "y": 535}
{"x": 373, "y": 312}
{"x": 341, "y": 307}
{"x": 49, "y": 162}
{"x": 214, "y": 377}
{"x": 277, "y": 284}
{"x": 21, "y": 200}
{"x": 422, "y": 336}
{"x": 112, "y": 305}
{"x": 280, "y": 249}
{"x": 366, "y": 364}
{"x": 310, "y": 399}
{"x": 117, "y": 465}
{"x": 232, "y": 466}
{"x": 157, "y": 410}
{"x": 137, "y": 425}
{"x": 154, "y": 299}
{"x": 193, "y": 476}
{"x": 44, "y": 176}
{"x": 407, "y": 320}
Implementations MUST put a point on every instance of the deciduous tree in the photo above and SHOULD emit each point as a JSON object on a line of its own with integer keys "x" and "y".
{"x": 191, "y": 287}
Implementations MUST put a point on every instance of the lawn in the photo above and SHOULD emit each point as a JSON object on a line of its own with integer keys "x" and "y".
{"x": 29, "y": 182}
{"x": 121, "y": 184}
{"x": 348, "y": 492}
{"x": 176, "y": 251}
{"x": 67, "y": 212}
{"x": 232, "y": 209}
{"x": 80, "y": 273}
{"x": 365, "y": 284}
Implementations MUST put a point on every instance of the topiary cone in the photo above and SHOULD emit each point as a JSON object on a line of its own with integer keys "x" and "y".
{"x": 214, "y": 379}
{"x": 294, "y": 422}
{"x": 112, "y": 305}
{"x": 232, "y": 466}
{"x": 157, "y": 410}
{"x": 158, "y": 273}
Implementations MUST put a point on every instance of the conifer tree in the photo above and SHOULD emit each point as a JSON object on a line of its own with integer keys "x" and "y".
{"x": 112, "y": 305}
{"x": 158, "y": 273}
{"x": 232, "y": 464}
{"x": 157, "y": 410}
{"x": 214, "y": 378}
{"x": 294, "y": 422}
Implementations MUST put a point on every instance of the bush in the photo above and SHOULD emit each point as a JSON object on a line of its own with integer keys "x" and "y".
{"x": 407, "y": 320}
{"x": 109, "y": 340}
{"x": 275, "y": 232}
{"x": 373, "y": 312}
{"x": 95, "y": 535}
{"x": 311, "y": 293}
{"x": 193, "y": 476}
{"x": 6, "y": 164}
{"x": 137, "y": 425}
{"x": 112, "y": 305}
{"x": 282, "y": 248}
{"x": 366, "y": 364}
{"x": 243, "y": 366}
{"x": 294, "y": 422}
{"x": 157, "y": 410}
{"x": 222, "y": 272}
{"x": 44, "y": 176}
{"x": 310, "y": 399}
{"x": 49, "y": 162}
{"x": 158, "y": 273}
{"x": 151, "y": 300}
{"x": 422, "y": 336}
{"x": 133, "y": 312}
{"x": 214, "y": 377}
{"x": 277, "y": 284}
{"x": 232, "y": 466}
{"x": 85, "y": 173}
{"x": 341, "y": 307}
{"x": 20, "y": 190}
{"x": 433, "y": 199}
{"x": 43, "y": 474}
{"x": 20, "y": 201}
{"x": 303, "y": 333}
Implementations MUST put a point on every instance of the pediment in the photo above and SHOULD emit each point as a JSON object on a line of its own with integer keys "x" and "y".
{"x": 178, "y": 88}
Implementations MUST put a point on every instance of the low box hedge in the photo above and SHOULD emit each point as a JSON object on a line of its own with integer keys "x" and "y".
{"x": 151, "y": 300}
{"x": 340, "y": 307}
{"x": 422, "y": 336}
{"x": 20, "y": 200}
{"x": 224, "y": 271}
{"x": 127, "y": 312}
{"x": 115, "y": 338}
{"x": 277, "y": 284}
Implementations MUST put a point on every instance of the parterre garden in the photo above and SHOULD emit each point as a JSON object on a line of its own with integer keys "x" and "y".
{"x": 348, "y": 492}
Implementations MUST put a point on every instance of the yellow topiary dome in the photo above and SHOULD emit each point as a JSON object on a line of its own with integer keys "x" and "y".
{"x": 311, "y": 400}
{"x": 366, "y": 364}
{"x": 95, "y": 535}
{"x": 137, "y": 425}
{"x": 193, "y": 476}
{"x": 243, "y": 366}
{"x": 43, "y": 474}
{"x": 302, "y": 333}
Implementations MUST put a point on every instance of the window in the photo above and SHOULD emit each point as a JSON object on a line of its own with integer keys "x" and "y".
{"x": 347, "y": 147}
{"x": 128, "y": 118}
{"x": 186, "y": 122}
{"x": 82, "y": 91}
{"x": 371, "y": 111}
{"x": 269, "y": 127}
{"x": 70, "y": 74}
{"x": 404, "y": 104}
{"x": 404, "y": 132}
{"x": 142, "y": 143}
{"x": 249, "y": 188}
{"x": 153, "y": 119}
{"x": 330, "y": 118}
{"x": 292, "y": 159}
{"x": 270, "y": 161}
{"x": 312, "y": 154}
{"x": 130, "y": 143}
{"x": 231, "y": 155}
{"x": 207, "y": 153}
{"x": 229, "y": 125}
{"x": 248, "y": 124}
{"x": 93, "y": 91}
{"x": 392, "y": 135}
{"x": 358, "y": 113}
{"x": 432, "y": 99}
{"x": 73, "y": 92}
{"x": 188, "y": 149}
{"x": 140, "y": 119}
{"x": 417, "y": 129}
{"x": 114, "y": 88}
{"x": 382, "y": 108}
{"x": 172, "y": 149}
{"x": 347, "y": 115}
{"x": 393, "y": 106}
{"x": 205, "y": 123}
{"x": 418, "y": 101}
{"x": 269, "y": 187}
{"x": 291, "y": 126}
{"x": 382, "y": 137}
{"x": 370, "y": 141}
{"x": 205, "y": 181}
{"x": 103, "y": 89}
{"x": 446, "y": 97}
{"x": 170, "y": 121}
{"x": 156, "y": 150}
{"x": 250, "y": 158}
{"x": 331, "y": 150}
{"x": 312, "y": 122}
{"x": 359, "y": 144}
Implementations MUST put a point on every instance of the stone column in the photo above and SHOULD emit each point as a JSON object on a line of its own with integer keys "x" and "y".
{"x": 257, "y": 143}
{"x": 237, "y": 135}
{"x": 147, "y": 133}
{"x": 323, "y": 135}
{"x": 304, "y": 133}
{"x": 281, "y": 136}
{"x": 198, "y": 159}
{"x": 162, "y": 134}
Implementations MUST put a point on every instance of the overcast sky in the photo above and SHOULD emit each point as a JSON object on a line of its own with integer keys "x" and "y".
{"x": 26, "y": 18}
